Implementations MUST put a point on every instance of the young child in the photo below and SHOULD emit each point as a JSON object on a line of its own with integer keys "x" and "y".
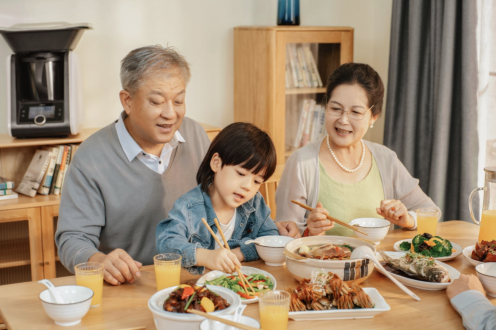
{"x": 238, "y": 161}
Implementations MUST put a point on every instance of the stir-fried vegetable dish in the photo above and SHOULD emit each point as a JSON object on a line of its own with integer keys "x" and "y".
{"x": 259, "y": 282}
{"x": 428, "y": 245}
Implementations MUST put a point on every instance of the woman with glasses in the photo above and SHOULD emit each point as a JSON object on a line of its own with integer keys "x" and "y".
{"x": 343, "y": 175}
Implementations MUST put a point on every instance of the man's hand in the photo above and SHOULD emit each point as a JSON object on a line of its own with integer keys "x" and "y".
{"x": 288, "y": 229}
{"x": 119, "y": 266}
{"x": 462, "y": 284}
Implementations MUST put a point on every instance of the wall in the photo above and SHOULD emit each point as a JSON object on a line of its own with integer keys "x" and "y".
{"x": 201, "y": 30}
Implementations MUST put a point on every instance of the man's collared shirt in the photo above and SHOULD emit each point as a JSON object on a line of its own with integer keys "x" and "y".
{"x": 133, "y": 150}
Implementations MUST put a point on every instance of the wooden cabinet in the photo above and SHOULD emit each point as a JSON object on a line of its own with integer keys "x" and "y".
{"x": 28, "y": 225}
{"x": 260, "y": 93}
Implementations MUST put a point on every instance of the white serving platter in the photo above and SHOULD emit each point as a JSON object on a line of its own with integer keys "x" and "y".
{"x": 420, "y": 284}
{"x": 245, "y": 270}
{"x": 467, "y": 252}
{"x": 337, "y": 314}
{"x": 458, "y": 250}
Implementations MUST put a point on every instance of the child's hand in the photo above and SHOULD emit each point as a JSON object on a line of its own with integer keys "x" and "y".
{"x": 218, "y": 259}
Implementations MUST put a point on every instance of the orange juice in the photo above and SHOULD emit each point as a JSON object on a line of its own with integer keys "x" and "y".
{"x": 167, "y": 275}
{"x": 94, "y": 282}
{"x": 426, "y": 224}
{"x": 274, "y": 317}
{"x": 487, "y": 229}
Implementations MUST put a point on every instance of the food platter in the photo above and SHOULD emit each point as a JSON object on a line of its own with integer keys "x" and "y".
{"x": 467, "y": 252}
{"x": 458, "y": 250}
{"x": 423, "y": 285}
{"x": 331, "y": 314}
{"x": 245, "y": 270}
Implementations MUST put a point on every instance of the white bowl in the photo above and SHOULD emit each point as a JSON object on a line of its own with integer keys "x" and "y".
{"x": 165, "y": 320}
{"x": 376, "y": 228}
{"x": 467, "y": 252}
{"x": 486, "y": 272}
{"x": 271, "y": 249}
{"x": 356, "y": 270}
{"x": 77, "y": 303}
{"x": 214, "y": 325}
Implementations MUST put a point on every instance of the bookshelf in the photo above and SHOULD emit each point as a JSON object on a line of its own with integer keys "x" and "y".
{"x": 261, "y": 93}
{"x": 28, "y": 225}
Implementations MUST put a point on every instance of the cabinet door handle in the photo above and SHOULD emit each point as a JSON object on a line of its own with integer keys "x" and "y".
{"x": 47, "y": 263}
{"x": 42, "y": 264}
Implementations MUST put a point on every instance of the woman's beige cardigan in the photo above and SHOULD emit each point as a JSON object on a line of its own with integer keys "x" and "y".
{"x": 300, "y": 181}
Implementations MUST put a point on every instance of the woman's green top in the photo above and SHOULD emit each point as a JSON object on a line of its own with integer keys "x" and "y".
{"x": 347, "y": 202}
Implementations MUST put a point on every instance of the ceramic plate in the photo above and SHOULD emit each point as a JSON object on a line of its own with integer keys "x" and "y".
{"x": 458, "y": 250}
{"x": 245, "y": 270}
{"x": 467, "y": 252}
{"x": 423, "y": 285}
{"x": 380, "y": 307}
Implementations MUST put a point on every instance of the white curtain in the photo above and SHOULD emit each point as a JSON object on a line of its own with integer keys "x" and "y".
{"x": 486, "y": 45}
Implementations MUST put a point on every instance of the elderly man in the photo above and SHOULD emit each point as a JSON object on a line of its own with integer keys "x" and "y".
{"x": 125, "y": 178}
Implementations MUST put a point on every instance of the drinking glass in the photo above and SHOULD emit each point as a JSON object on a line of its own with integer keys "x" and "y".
{"x": 274, "y": 310}
{"x": 90, "y": 274}
{"x": 427, "y": 220}
{"x": 167, "y": 270}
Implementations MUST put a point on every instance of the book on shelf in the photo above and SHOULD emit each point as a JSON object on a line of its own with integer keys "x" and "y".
{"x": 48, "y": 177}
{"x": 60, "y": 176}
{"x": 57, "y": 168}
{"x": 305, "y": 139}
{"x": 311, "y": 124}
{"x": 303, "y": 67}
{"x": 34, "y": 174}
{"x": 9, "y": 196}
{"x": 6, "y": 184}
{"x": 6, "y": 192}
{"x": 70, "y": 152}
{"x": 301, "y": 123}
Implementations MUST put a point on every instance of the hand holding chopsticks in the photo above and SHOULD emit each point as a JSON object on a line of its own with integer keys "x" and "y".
{"x": 354, "y": 228}
{"x": 240, "y": 274}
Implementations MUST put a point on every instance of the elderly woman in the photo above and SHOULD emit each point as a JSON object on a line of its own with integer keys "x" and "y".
{"x": 343, "y": 175}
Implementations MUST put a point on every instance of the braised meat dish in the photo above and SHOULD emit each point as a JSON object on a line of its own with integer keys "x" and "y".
{"x": 194, "y": 297}
{"x": 485, "y": 251}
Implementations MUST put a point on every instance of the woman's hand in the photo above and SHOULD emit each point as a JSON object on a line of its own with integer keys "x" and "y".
{"x": 288, "y": 229}
{"x": 395, "y": 212}
{"x": 217, "y": 259}
{"x": 317, "y": 221}
{"x": 462, "y": 284}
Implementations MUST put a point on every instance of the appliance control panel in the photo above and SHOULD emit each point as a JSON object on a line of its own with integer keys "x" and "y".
{"x": 41, "y": 113}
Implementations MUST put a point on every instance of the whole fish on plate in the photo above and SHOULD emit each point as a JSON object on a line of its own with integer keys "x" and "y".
{"x": 419, "y": 266}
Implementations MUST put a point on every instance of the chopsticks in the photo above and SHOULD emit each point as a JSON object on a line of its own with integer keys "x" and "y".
{"x": 354, "y": 228}
{"x": 240, "y": 274}
{"x": 222, "y": 320}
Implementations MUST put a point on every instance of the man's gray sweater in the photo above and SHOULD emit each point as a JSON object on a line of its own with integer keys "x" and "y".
{"x": 109, "y": 202}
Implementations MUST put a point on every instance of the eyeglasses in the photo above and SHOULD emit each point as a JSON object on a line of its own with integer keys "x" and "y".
{"x": 336, "y": 111}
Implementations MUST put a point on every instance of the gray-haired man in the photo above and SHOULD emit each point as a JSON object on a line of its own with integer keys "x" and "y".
{"x": 125, "y": 178}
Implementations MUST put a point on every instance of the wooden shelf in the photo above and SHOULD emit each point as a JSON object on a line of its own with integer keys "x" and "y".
{"x": 305, "y": 90}
{"x": 27, "y": 202}
{"x": 15, "y": 253}
{"x": 7, "y": 141}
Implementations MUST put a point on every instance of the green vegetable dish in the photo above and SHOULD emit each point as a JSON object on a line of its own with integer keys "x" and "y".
{"x": 428, "y": 245}
{"x": 260, "y": 283}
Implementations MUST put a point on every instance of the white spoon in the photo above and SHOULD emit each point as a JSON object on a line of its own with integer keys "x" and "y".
{"x": 51, "y": 288}
{"x": 364, "y": 252}
{"x": 238, "y": 313}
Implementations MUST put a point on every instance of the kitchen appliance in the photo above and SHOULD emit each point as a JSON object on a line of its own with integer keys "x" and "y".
{"x": 487, "y": 223}
{"x": 44, "y": 95}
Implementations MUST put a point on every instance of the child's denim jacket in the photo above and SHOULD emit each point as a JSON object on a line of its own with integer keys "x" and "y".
{"x": 183, "y": 231}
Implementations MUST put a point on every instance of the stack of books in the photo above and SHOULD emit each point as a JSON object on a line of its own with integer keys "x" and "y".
{"x": 301, "y": 68}
{"x": 46, "y": 172}
{"x": 311, "y": 126}
{"x": 7, "y": 189}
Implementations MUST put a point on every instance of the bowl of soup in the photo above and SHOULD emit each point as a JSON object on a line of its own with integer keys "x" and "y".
{"x": 330, "y": 253}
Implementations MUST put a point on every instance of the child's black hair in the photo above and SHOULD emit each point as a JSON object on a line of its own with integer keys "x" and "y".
{"x": 240, "y": 144}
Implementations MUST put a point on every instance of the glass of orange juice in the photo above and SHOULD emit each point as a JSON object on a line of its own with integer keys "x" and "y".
{"x": 274, "y": 310}
{"x": 487, "y": 229}
{"x": 90, "y": 274}
{"x": 167, "y": 270}
{"x": 427, "y": 220}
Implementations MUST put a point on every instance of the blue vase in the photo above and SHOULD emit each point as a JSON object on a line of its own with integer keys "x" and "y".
{"x": 288, "y": 12}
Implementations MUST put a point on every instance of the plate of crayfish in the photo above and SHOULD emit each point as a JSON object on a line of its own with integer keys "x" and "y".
{"x": 326, "y": 296}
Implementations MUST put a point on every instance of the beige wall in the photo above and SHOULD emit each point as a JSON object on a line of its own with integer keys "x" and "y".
{"x": 203, "y": 33}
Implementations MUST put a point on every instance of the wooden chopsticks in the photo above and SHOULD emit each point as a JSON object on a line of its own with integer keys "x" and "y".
{"x": 354, "y": 228}
{"x": 240, "y": 274}
{"x": 222, "y": 320}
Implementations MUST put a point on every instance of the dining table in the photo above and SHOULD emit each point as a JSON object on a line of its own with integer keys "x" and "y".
{"x": 126, "y": 306}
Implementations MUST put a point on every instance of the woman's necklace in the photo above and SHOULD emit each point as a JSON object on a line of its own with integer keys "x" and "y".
{"x": 339, "y": 163}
